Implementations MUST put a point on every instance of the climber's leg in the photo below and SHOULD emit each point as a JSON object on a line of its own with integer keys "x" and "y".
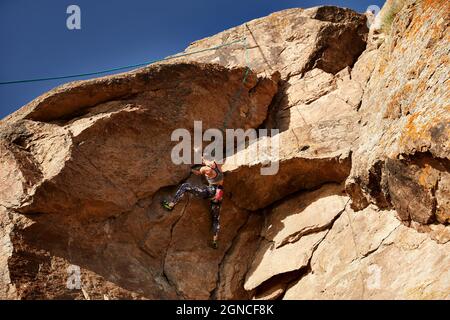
{"x": 198, "y": 191}
{"x": 215, "y": 214}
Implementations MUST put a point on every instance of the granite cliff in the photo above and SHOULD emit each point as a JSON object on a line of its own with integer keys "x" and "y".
{"x": 359, "y": 208}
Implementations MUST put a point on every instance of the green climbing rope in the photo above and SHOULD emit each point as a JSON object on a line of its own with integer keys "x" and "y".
{"x": 236, "y": 97}
{"x": 234, "y": 101}
{"x": 121, "y": 68}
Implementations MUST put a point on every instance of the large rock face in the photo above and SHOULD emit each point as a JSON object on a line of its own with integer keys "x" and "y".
{"x": 85, "y": 181}
{"x": 358, "y": 209}
{"x": 402, "y": 160}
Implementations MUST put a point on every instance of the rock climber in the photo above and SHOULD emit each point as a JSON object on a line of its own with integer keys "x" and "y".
{"x": 213, "y": 191}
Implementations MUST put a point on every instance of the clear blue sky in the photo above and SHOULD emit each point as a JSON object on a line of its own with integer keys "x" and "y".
{"x": 35, "y": 41}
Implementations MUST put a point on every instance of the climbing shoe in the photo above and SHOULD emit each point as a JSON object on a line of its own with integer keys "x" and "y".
{"x": 214, "y": 244}
{"x": 165, "y": 204}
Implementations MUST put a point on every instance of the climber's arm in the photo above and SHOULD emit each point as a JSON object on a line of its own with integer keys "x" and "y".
{"x": 203, "y": 170}
{"x": 200, "y": 170}
{"x": 207, "y": 162}
{"x": 211, "y": 164}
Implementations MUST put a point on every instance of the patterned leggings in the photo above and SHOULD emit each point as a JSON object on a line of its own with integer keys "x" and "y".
{"x": 203, "y": 192}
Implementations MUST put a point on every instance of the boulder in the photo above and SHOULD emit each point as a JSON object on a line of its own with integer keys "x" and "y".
{"x": 293, "y": 231}
{"x": 383, "y": 259}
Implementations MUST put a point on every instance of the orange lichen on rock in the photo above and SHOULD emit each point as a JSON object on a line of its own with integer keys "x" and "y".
{"x": 396, "y": 106}
{"x": 437, "y": 4}
{"x": 426, "y": 177}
